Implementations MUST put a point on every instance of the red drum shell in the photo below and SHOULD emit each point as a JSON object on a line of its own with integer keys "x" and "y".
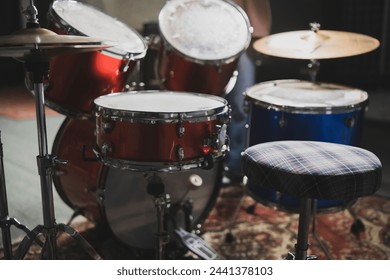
{"x": 77, "y": 182}
{"x": 154, "y": 142}
{"x": 162, "y": 131}
{"x": 180, "y": 74}
{"x": 77, "y": 79}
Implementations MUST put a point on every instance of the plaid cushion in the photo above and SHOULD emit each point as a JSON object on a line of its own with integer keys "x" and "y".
{"x": 313, "y": 169}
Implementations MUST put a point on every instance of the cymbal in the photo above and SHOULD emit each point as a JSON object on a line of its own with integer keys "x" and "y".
{"x": 42, "y": 44}
{"x": 321, "y": 44}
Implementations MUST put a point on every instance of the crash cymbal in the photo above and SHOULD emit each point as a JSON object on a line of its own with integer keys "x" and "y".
{"x": 42, "y": 44}
{"x": 318, "y": 44}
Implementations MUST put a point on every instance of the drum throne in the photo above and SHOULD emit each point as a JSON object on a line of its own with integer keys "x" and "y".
{"x": 312, "y": 170}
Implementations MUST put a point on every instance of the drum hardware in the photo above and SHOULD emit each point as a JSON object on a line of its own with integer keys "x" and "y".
{"x": 232, "y": 82}
{"x": 156, "y": 188}
{"x": 314, "y": 68}
{"x": 282, "y": 121}
{"x": 129, "y": 57}
{"x": 35, "y": 47}
{"x": 85, "y": 157}
{"x": 196, "y": 245}
{"x": 349, "y": 122}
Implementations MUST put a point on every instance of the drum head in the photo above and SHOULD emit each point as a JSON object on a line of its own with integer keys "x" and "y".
{"x": 158, "y": 105}
{"x": 83, "y": 19}
{"x": 298, "y": 96}
{"x": 130, "y": 211}
{"x": 207, "y": 30}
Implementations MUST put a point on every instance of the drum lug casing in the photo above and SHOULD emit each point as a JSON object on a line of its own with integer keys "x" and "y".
{"x": 282, "y": 121}
{"x": 180, "y": 152}
{"x": 349, "y": 122}
{"x": 220, "y": 139}
{"x": 180, "y": 127}
{"x": 127, "y": 59}
{"x": 106, "y": 148}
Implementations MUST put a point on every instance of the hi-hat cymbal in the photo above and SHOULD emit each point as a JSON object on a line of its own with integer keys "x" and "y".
{"x": 321, "y": 44}
{"x": 42, "y": 44}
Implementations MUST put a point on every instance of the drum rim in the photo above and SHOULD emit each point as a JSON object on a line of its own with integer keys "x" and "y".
{"x": 226, "y": 60}
{"x": 159, "y": 117}
{"x": 308, "y": 109}
{"x": 66, "y": 111}
{"x": 114, "y": 51}
{"x": 155, "y": 166}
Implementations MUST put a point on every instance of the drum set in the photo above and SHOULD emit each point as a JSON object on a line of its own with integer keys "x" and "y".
{"x": 118, "y": 147}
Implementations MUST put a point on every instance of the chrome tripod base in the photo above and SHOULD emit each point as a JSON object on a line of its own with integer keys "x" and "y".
{"x": 51, "y": 235}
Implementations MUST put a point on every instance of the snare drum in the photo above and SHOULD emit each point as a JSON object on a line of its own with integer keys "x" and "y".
{"x": 77, "y": 79}
{"x": 302, "y": 110}
{"x": 202, "y": 41}
{"x": 118, "y": 198}
{"x": 160, "y": 131}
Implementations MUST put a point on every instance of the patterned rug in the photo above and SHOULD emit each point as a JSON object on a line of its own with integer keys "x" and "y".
{"x": 264, "y": 233}
{"x": 269, "y": 233}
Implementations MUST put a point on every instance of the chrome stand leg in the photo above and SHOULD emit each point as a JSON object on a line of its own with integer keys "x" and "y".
{"x": 161, "y": 201}
{"x": 46, "y": 164}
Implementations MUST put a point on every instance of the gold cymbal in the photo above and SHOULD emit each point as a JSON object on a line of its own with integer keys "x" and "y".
{"x": 321, "y": 44}
{"x": 42, "y": 44}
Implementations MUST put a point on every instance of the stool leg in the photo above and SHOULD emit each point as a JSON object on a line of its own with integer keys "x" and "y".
{"x": 314, "y": 231}
{"x": 303, "y": 229}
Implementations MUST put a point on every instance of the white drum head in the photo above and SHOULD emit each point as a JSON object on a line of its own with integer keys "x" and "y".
{"x": 164, "y": 102}
{"x": 303, "y": 94}
{"x": 205, "y": 29}
{"x": 89, "y": 21}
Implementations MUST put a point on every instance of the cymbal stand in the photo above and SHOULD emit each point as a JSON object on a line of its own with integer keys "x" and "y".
{"x": 314, "y": 67}
{"x": 161, "y": 200}
{"x": 38, "y": 66}
{"x": 46, "y": 164}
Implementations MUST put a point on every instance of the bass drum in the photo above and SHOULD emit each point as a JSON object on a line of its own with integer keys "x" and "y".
{"x": 118, "y": 198}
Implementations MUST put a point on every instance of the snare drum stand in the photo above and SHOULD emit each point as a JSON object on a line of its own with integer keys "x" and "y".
{"x": 161, "y": 200}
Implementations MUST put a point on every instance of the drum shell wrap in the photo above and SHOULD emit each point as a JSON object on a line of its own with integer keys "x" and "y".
{"x": 160, "y": 130}
{"x": 154, "y": 142}
{"x": 180, "y": 74}
{"x": 76, "y": 80}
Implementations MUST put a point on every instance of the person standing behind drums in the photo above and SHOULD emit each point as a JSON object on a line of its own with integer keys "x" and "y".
{"x": 259, "y": 14}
